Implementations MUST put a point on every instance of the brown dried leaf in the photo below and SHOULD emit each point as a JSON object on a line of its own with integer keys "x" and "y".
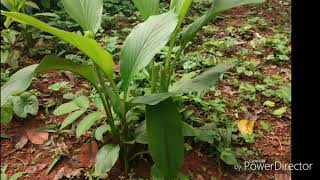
{"x": 67, "y": 172}
{"x": 37, "y": 137}
{"x": 282, "y": 177}
{"x": 199, "y": 177}
{"x": 63, "y": 147}
{"x": 88, "y": 152}
{"x": 35, "y": 168}
{"x": 21, "y": 141}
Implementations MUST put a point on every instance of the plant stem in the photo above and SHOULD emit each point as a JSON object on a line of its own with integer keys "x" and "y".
{"x": 124, "y": 125}
{"x": 106, "y": 104}
{"x": 171, "y": 45}
{"x": 153, "y": 78}
{"x": 176, "y": 58}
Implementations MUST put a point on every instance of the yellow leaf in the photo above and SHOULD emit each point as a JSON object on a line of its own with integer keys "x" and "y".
{"x": 246, "y": 126}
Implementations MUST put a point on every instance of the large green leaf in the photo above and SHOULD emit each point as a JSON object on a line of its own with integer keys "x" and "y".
{"x": 207, "y": 79}
{"x": 17, "y": 83}
{"x": 142, "y": 44}
{"x": 21, "y": 80}
{"x": 147, "y": 7}
{"x": 181, "y": 8}
{"x": 25, "y": 104}
{"x": 151, "y": 99}
{"x": 217, "y": 7}
{"x": 87, "y": 13}
{"x": 56, "y": 63}
{"x": 89, "y": 46}
{"x": 164, "y": 128}
{"x": 201, "y": 82}
{"x": 141, "y": 135}
{"x": 106, "y": 157}
{"x": 87, "y": 122}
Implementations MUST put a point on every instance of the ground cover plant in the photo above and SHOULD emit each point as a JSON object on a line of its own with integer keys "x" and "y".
{"x": 127, "y": 101}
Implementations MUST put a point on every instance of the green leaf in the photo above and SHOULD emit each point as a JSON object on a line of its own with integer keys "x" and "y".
{"x": 59, "y": 86}
{"x": 4, "y": 176}
{"x": 106, "y": 157}
{"x": 147, "y": 7}
{"x": 87, "y": 13}
{"x": 165, "y": 137}
{"x": 201, "y": 82}
{"x": 87, "y": 122}
{"x": 4, "y": 136}
{"x": 71, "y": 118}
{"x": 32, "y": 4}
{"x": 142, "y": 44}
{"x": 280, "y": 111}
{"x": 151, "y": 99}
{"x": 54, "y": 162}
{"x": 217, "y": 7}
{"x": 56, "y": 63}
{"x": 6, "y": 113}
{"x": 156, "y": 174}
{"x": 18, "y": 82}
{"x": 100, "y": 131}
{"x": 82, "y": 102}
{"x": 284, "y": 92}
{"x": 188, "y": 130}
{"x": 66, "y": 108}
{"x": 141, "y": 135}
{"x": 207, "y": 79}
{"x": 228, "y": 157}
{"x": 47, "y": 14}
{"x": 25, "y": 104}
{"x": 181, "y": 8}
{"x": 87, "y": 45}
{"x": 16, "y": 176}
{"x": 269, "y": 103}
{"x": 265, "y": 126}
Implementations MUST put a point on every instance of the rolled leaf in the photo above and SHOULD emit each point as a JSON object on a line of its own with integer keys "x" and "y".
{"x": 86, "y": 13}
{"x": 165, "y": 137}
{"x": 90, "y": 47}
{"x": 142, "y": 44}
{"x": 147, "y": 7}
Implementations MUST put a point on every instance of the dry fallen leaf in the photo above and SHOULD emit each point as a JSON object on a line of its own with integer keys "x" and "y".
{"x": 88, "y": 152}
{"x": 63, "y": 147}
{"x": 37, "y": 137}
{"x": 21, "y": 141}
{"x": 199, "y": 177}
{"x": 246, "y": 126}
{"x": 35, "y": 168}
{"x": 67, "y": 172}
{"x": 282, "y": 177}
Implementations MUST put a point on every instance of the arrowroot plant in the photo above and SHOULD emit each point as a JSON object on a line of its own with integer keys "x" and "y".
{"x": 163, "y": 125}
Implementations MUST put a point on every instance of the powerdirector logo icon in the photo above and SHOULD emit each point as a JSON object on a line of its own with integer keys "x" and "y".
{"x": 261, "y": 165}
